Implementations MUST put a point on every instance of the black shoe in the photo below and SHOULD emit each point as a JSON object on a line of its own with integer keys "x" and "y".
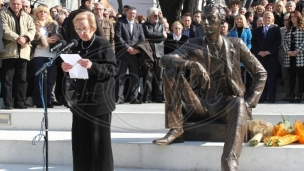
{"x": 56, "y": 103}
{"x": 147, "y": 101}
{"x": 21, "y": 106}
{"x": 175, "y": 135}
{"x": 286, "y": 99}
{"x": 119, "y": 102}
{"x": 50, "y": 106}
{"x": 272, "y": 101}
{"x": 292, "y": 98}
{"x": 299, "y": 98}
{"x": 160, "y": 101}
{"x": 135, "y": 102}
{"x": 7, "y": 108}
{"x": 262, "y": 101}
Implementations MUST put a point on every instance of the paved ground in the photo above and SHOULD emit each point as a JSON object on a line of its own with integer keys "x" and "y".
{"x": 15, "y": 167}
{"x": 262, "y": 108}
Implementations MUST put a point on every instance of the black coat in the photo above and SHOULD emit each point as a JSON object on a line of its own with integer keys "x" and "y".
{"x": 124, "y": 39}
{"x": 171, "y": 44}
{"x": 96, "y": 95}
{"x": 154, "y": 34}
{"x": 70, "y": 32}
{"x": 279, "y": 19}
{"x": 271, "y": 44}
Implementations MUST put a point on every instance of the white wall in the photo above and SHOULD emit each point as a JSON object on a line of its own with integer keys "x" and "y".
{"x": 142, "y": 6}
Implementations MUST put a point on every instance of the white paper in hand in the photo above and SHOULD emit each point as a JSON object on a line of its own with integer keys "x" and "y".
{"x": 77, "y": 71}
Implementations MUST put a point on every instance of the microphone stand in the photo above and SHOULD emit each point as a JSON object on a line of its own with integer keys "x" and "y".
{"x": 43, "y": 70}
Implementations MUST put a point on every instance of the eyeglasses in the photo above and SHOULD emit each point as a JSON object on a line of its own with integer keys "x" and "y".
{"x": 156, "y": 16}
{"x": 98, "y": 9}
{"x": 82, "y": 31}
{"x": 177, "y": 28}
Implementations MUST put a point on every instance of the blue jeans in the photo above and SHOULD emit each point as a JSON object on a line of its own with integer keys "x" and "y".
{"x": 38, "y": 62}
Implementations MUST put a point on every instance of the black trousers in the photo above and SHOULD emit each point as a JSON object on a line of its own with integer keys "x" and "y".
{"x": 147, "y": 82}
{"x": 133, "y": 64}
{"x": 14, "y": 69}
{"x": 270, "y": 87}
{"x": 157, "y": 82}
{"x": 91, "y": 143}
{"x": 293, "y": 74}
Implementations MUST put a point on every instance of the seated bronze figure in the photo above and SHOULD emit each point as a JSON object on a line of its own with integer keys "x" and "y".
{"x": 215, "y": 88}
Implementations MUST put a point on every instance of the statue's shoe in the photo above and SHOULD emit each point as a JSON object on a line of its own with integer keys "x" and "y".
{"x": 175, "y": 135}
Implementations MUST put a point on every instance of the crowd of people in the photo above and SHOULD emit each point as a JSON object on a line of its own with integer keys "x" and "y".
{"x": 273, "y": 33}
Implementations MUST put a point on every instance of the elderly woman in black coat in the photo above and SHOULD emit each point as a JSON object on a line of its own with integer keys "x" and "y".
{"x": 176, "y": 39}
{"x": 94, "y": 98}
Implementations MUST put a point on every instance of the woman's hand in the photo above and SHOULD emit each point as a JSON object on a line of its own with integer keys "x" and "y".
{"x": 66, "y": 67}
{"x": 51, "y": 40}
{"x": 292, "y": 53}
{"x": 86, "y": 63}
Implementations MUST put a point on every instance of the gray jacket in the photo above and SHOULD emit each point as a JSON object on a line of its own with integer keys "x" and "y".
{"x": 1, "y": 35}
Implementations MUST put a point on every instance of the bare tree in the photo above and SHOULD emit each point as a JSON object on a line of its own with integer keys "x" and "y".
{"x": 190, "y": 6}
{"x": 120, "y": 6}
{"x": 171, "y": 9}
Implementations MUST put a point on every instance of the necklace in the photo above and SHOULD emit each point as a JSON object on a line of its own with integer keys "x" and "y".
{"x": 89, "y": 44}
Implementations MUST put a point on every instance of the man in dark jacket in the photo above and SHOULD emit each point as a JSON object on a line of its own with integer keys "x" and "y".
{"x": 70, "y": 33}
{"x": 266, "y": 42}
{"x": 128, "y": 33}
{"x": 189, "y": 29}
{"x": 155, "y": 33}
{"x": 124, "y": 13}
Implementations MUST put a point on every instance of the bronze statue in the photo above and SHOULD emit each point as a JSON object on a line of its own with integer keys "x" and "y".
{"x": 215, "y": 89}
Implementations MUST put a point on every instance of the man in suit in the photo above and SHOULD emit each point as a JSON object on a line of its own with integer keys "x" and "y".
{"x": 266, "y": 42}
{"x": 216, "y": 90}
{"x": 189, "y": 30}
{"x": 127, "y": 34}
{"x": 197, "y": 19}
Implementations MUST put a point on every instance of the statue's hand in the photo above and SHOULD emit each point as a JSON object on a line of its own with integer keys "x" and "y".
{"x": 202, "y": 73}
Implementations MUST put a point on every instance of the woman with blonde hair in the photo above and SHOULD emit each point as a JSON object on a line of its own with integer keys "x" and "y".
{"x": 94, "y": 98}
{"x": 258, "y": 13}
{"x": 279, "y": 13}
{"x": 46, "y": 36}
{"x": 241, "y": 30}
{"x": 293, "y": 43}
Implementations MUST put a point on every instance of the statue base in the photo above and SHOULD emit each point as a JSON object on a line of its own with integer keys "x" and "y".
{"x": 213, "y": 132}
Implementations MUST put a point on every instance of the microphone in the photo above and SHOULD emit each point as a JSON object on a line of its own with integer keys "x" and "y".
{"x": 73, "y": 43}
{"x": 61, "y": 43}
